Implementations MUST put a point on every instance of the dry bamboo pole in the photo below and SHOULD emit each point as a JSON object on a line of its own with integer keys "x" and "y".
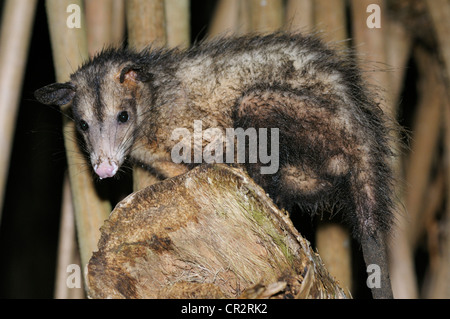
{"x": 99, "y": 28}
{"x": 398, "y": 48}
{"x": 230, "y": 17}
{"x": 440, "y": 14}
{"x": 17, "y": 21}
{"x": 426, "y": 137}
{"x": 117, "y": 22}
{"x": 444, "y": 271}
{"x": 178, "y": 23}
{"x": 439, "y": 286}
{"x": 432, "y": 205}
{"x": 69, "y": 47}
{"x": 437, "y": 280}
{"x": 67, "y": 247}
{"x": 145, "y": 22}
{"x": 371, "y": 44}
{"x": 266, "y": 15}
{"x": 333, "y": 240}
{"x": 244, "y": 18}
{"x": 330, "y": 17}
{"x": 98, "y": 24}
{"x": 146, "y": 25}
{"x": 299, "y": 15}
{"x": 423, "y": 148}
{"x": 225, "y": 19}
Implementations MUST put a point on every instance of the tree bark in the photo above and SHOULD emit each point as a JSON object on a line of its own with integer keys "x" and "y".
{"x": 210, "y": 233}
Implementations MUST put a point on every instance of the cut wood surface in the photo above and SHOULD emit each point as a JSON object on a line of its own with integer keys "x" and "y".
{"x": 210, "y": 233}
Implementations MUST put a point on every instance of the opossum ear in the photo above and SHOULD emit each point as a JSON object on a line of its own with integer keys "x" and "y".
{"x": 134, "y": 73}
{"x": 55, "y": 94}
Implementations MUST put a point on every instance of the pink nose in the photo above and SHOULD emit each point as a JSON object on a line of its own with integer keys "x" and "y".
{"x": 106, "y": 169}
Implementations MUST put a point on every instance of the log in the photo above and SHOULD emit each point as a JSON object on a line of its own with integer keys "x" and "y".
{"x": 209, "y": 233}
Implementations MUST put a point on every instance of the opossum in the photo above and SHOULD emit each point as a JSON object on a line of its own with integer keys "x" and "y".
{"x": 334, "y": 147}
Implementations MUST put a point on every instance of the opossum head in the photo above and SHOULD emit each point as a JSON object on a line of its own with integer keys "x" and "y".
{"x": 104, "y": 104}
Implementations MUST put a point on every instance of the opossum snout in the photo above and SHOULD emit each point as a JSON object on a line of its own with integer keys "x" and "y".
{"x": 106, "y": 169}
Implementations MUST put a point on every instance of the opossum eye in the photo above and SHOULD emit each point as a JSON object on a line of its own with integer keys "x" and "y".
{"x": 122, "y": 117}
{"x": 84, "y": 126}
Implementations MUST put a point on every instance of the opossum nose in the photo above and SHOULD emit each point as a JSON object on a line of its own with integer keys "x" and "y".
{"x": 106, "y": 169}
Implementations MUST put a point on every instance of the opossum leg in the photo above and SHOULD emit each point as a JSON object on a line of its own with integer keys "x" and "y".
{"x": 375, "y": 254}
{"x": 312, "y": 169}
{"x": 299, "y": 185}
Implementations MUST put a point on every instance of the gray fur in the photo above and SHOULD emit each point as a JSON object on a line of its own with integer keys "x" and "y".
{"x": 334, "y": 139}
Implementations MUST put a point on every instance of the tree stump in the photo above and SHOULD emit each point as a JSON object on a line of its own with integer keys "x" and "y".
{"x": 209, "y": 233}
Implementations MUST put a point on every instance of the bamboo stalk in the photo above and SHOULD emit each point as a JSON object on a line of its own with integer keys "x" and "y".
{"x": 67, "y": 248}
{"x": 299, "y": 15}
{"x": 17, "y": 21}
{"x": 69, "y": 47}
{"x": 98, "y": 24}
{"x": 145, "y": 22}
{"x": 444, "y": 271}
{"x": 425, "y": 141}
{"x": 432, "y": 206}
{"x": 146, "y": 25}
{"x": 225, "y": 19}
{"x": 178, "y": 23}
{"x": 266, "y": 15}
{"x": 371, "y": 43}
{"x": 333, "y": 243}
{"x": 329, "y": 16}
{"x": 426, "y": 137}
{"x": 440, "y": 283}
{"x": 440, "y": 14}
{"x": 437, "y": 280}
{"x": 398, "y": 48}
{"x": 431, "y": 111}
{"x": 117, "y": 22}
